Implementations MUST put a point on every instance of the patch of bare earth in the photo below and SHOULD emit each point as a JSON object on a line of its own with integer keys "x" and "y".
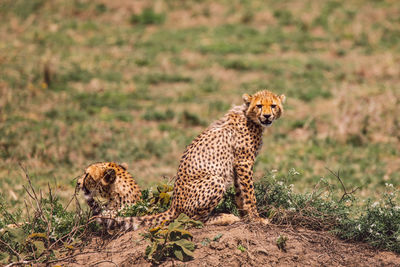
{"x": 258, "y": 248}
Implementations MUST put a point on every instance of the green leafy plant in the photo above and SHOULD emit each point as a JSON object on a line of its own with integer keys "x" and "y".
{"x": 241, "y": 248}
{"x": 217, "y": 237}
{"x": 326, "y": 208}
{"x": 281, "y": 242}
{"x": 154, "y": 200}
{"x": 154, "y": 115}
{"x": 147, "y": 17}
{"x": 172, "y": 240}
{"x": 47, "y": 230}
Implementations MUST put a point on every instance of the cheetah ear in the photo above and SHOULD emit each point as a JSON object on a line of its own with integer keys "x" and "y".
{"x": 109, "y": 177}
{"x": 124, "y": 165}
{"x": 246, "y": 99}
{"x": 282, "y": 98}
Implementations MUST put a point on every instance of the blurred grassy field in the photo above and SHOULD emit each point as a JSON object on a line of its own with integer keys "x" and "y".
{"x": 135, "y": 81}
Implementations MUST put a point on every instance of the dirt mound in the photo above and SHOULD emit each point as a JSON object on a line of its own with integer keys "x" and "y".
{"x": 241, "y": 244}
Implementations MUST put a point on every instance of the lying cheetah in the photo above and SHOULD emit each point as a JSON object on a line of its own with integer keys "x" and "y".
{"x": 111, "y": 182}
{"x": 225, "y": 151}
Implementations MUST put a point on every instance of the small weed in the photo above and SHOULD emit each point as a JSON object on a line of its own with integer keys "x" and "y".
{"x": 101, "y": 8}
{"x": 281, "y": 242}
{"x": 284, "y": 17}
{"x": 157, "y": 148}
{"x": 378, "y": 223}
{"x": 157, "y": 78}
{"x": 172, "y": 241}
{"x": 191, "y": 119}
{"x": 154, "y": 200}
{"x": 241, "y": 248}
{"x": 228, "y": 205}
{"x": 206, "y": 241}
{"x": 147, "y": 17}
{"x": 209, "y": 85}
{"x": 217, "y": 237}
{"x": 22, "y": 8}
{"x": 217, "y": 107}
{"x": 154, "y": 115}
{"x": 48, "y": 228}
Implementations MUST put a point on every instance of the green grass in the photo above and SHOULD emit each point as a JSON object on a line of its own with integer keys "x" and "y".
{"x": 138, "y": 87}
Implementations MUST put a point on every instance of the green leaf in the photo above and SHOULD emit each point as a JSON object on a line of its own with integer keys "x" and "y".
{"x": 151, "y": 249}
{"x": 159, "y": 240}
{"x": 4, "y": 257}
{"x": 163, "y": 232}
{"x": 154, "y": 230}
{"x": 180, "y": 233}
{"x": 205, "y": 242}
{"x": 217, "y": 237}
{"x": 147, "y": 251}
{"x": 241, "y": 248}
{"x": 174, "y": 225}
{"x": 178, "y": 254}
{"x": 185, "y": 244}
{"x": 56, "y": 253}
{"x": 164, "y": 198}
{"x": 39, "y": 247}
{"x": 183, "y": 218}
{"x": 18, "y": 234}
{"x": 188, "y": 253}
{"x": 37, "y": 235}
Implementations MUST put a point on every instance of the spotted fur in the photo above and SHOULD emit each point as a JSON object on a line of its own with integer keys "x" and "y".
{"x": 225, "y": 151}
{"x": 112, "y": 183}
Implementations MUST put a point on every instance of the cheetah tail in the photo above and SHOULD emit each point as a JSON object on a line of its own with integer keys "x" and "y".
{"x": 133, "y": 223}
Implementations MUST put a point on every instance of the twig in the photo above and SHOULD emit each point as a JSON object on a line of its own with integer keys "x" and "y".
{"x": 51, "y": 211}
{"x": 16, "y": 253}
{"x": 27, "y": 211}
{"x": 69, "y": 257}
{"x": 103, "y": 261}
{"x": 18, "y": 263}
{"x": 337, "y": 175}
{"x": 38, "y": 201}
{"x": 72, "y": 198}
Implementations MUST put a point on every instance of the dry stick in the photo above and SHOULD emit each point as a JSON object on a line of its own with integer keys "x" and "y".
{"x": 16, "y": 253}
{"x": 75, "y": 193}
{"x": 18, "y": 263}
{"x": 35, "y": 197}
{"x": 66, "y": 235}
{"x": 27, "y": 212}
{"x": 38, "y": 200}
{"x": 51, "y": 211}
{"x": 70, "y": 256}
{"x": 104, "y": 261}
{"x": 75, "y": 228}
{"x": 341, "y": 182}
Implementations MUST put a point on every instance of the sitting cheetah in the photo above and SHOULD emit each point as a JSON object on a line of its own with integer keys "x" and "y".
{"x": 113, "y": 183}
{"x": 225, "y": 151}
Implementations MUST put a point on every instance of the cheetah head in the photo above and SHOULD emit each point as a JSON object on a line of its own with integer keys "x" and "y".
{"x": 97, "y": 175}
{"x": 264, "y": 107}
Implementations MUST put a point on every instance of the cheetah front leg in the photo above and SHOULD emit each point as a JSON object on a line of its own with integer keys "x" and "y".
{"x": 245, "y": 197}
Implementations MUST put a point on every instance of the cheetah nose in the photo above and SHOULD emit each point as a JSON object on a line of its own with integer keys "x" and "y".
{"x": 267, "y": 116}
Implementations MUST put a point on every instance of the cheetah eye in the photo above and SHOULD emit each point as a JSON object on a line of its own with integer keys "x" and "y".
{"x": 273, "y": 106}
{"x": 259, "y": 106}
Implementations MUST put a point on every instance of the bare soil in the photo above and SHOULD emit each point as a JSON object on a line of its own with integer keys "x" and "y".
{"x": 258, "y": 248}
